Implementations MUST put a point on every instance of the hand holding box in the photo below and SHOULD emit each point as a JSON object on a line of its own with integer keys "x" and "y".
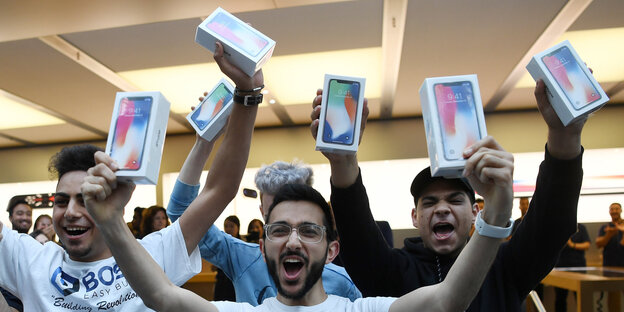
{"x": 211, "y": 114}
{"x": 341, "y": 114}
{"x": 244, "y": 46}
{"x": 571, "y": 88}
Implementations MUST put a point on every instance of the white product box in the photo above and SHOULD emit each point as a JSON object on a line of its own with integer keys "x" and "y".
{"x": 137, "y": 135}
{"x": 341, "y": 114}
{"x": 453, "y": 117}
{"x": 243, "y": 46}
{"x": 212, "y": 113}
{"x": 572, "y": 90}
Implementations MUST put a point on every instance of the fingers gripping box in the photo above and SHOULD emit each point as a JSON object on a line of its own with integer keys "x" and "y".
{"x": 453, "y": 118}
{"x": 341, "y": 114}
{"x": 572, "y": 89}
{"x": 243, "y": 45}
{"x": 137, "y": 135}
{"x": 212, "y": 113}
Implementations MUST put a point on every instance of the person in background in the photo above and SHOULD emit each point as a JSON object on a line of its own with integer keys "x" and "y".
{"x": 254, "y": 231}
{"x": 43, "y": 223}
{"x": 39, "y": 236}
{"x": 20, "y": 215}
{"x": 611, "y": 240}
{"x": 154, "y": 219}
{"x": 224, "y": 289}
{"x": 135, "y": 224}
{"x": 572, "y": 255}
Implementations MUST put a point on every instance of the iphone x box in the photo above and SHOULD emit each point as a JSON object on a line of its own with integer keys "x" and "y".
{"x": 243, "y": 46}
{"x": 137, "y": 135}
{"x": 453, "y": 118}
{"x": 341, "y": 114}
{"x": 212, "y": 113}
{"x": 572, "y": 90}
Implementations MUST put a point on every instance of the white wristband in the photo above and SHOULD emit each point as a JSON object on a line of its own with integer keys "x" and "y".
{"x": 485, "y": 229}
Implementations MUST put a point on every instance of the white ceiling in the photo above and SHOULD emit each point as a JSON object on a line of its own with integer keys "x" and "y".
{"x": 63, "y": 58}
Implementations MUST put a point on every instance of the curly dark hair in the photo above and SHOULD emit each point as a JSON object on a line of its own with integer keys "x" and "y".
{"x": 72, "y": 158}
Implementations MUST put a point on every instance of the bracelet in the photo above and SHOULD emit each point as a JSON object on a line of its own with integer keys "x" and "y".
{"x": 254, "y": 90}
{"x": 488, "y": 230}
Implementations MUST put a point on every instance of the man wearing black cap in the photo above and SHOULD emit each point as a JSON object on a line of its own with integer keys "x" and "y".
{"x": 445, "y": 210}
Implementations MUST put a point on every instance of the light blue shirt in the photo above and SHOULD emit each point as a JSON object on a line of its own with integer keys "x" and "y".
{"x": 242, "y": 262}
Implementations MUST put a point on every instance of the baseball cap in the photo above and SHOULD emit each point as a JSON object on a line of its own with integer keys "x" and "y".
{"x": 424, "y": 179}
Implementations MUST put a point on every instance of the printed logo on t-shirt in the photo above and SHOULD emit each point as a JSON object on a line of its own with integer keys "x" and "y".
{"x": 103, "y": 288}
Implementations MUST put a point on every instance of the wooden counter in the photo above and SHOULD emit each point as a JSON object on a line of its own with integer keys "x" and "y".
{"x": 585, "y": 281}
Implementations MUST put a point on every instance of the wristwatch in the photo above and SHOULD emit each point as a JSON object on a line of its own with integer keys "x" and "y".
{"x": 248, "y": 97}
{"x": 485, "y": 229}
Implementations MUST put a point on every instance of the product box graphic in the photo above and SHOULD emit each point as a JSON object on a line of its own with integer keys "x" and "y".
{"x": 453, "y": 118}
{"x": 341, "y": 114}
{"x": 571, "y": 88}
{"x": 212, "y": 113}
{"x": 243, "y": 45}
{"x": 137, "y": 135}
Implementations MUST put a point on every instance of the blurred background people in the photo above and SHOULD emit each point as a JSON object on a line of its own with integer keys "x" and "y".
{"x": 135, "y": 224}
{"x": 153, "y": 219}
{"x": 43, "y": 223}
{"x": 572, "y": 255}
{"x": 224, "y": 289}
{"x": 255, "y": 229}
{"x": 20, "y": 215}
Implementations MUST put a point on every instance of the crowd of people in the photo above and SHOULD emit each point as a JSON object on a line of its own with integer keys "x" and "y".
{"x": 462, "y": 260}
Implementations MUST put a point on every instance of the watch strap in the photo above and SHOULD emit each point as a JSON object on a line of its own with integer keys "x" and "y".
{"x": 488, "y": 230}
{"x": 248, "y": 99}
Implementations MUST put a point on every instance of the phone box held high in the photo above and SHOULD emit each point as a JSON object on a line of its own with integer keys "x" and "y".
{"x": 572, "y": 90}
{"x": 453, "y": 118}
{"x": 137, "y": 135}
{"x": 341, "y": 114}
{"x": 243, "y": 45}
{"x": 211, "y": 114}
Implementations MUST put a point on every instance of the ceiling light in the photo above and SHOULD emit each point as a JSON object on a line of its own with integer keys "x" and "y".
{"x": 17, "y": 113}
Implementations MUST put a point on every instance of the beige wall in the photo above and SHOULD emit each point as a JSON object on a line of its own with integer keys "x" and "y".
{"x": 398, "y": 139}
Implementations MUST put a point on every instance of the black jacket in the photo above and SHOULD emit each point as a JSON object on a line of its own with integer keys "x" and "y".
{"x": 521, "y": 263}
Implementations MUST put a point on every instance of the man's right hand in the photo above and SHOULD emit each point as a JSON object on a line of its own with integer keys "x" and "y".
{"x": 489, "y": 168}
{"x": 104, "y": 196}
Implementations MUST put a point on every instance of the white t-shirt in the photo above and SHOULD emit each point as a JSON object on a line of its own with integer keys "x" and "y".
{"x": 332, "y": 303}
{"x": 45, "y": 279}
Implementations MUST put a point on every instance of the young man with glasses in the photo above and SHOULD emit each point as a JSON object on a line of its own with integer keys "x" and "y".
{"x": 300, "y": 239}
{"x": 241, "y": 261}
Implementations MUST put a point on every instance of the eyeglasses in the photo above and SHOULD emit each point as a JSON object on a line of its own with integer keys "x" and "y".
{"x": 307, "y": 233}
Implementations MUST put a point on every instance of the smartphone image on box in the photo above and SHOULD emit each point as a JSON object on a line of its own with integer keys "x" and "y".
{"x": 342, "y": 101}
{"x": 211, "y": 106}
{"x": 458, "y": 117}
{"x": 131, "y": 131}
{"x": 234, "y": 32}
{"x": 572, "y": 79}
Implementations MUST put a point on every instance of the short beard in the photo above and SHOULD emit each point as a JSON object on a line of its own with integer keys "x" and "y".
{"x": 314, "y": 274}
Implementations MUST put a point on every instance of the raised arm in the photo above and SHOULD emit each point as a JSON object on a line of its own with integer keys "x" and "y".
{"x": 490, "y": 171}
{"x": 105, "y": 199}
{"x": 229, "y": 164}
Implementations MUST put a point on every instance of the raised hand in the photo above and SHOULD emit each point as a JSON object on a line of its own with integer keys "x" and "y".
{"x": 104, "y": 196}
{"x": 489, "y": 168}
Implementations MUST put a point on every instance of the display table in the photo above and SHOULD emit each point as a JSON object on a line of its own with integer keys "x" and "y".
{"x": 585, "y": 281}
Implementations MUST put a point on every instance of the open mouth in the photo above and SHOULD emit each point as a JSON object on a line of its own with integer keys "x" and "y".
{"x": 292, "y": 267}
{"x": 443, "y": 230}
{"x": 75, "y": 230}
